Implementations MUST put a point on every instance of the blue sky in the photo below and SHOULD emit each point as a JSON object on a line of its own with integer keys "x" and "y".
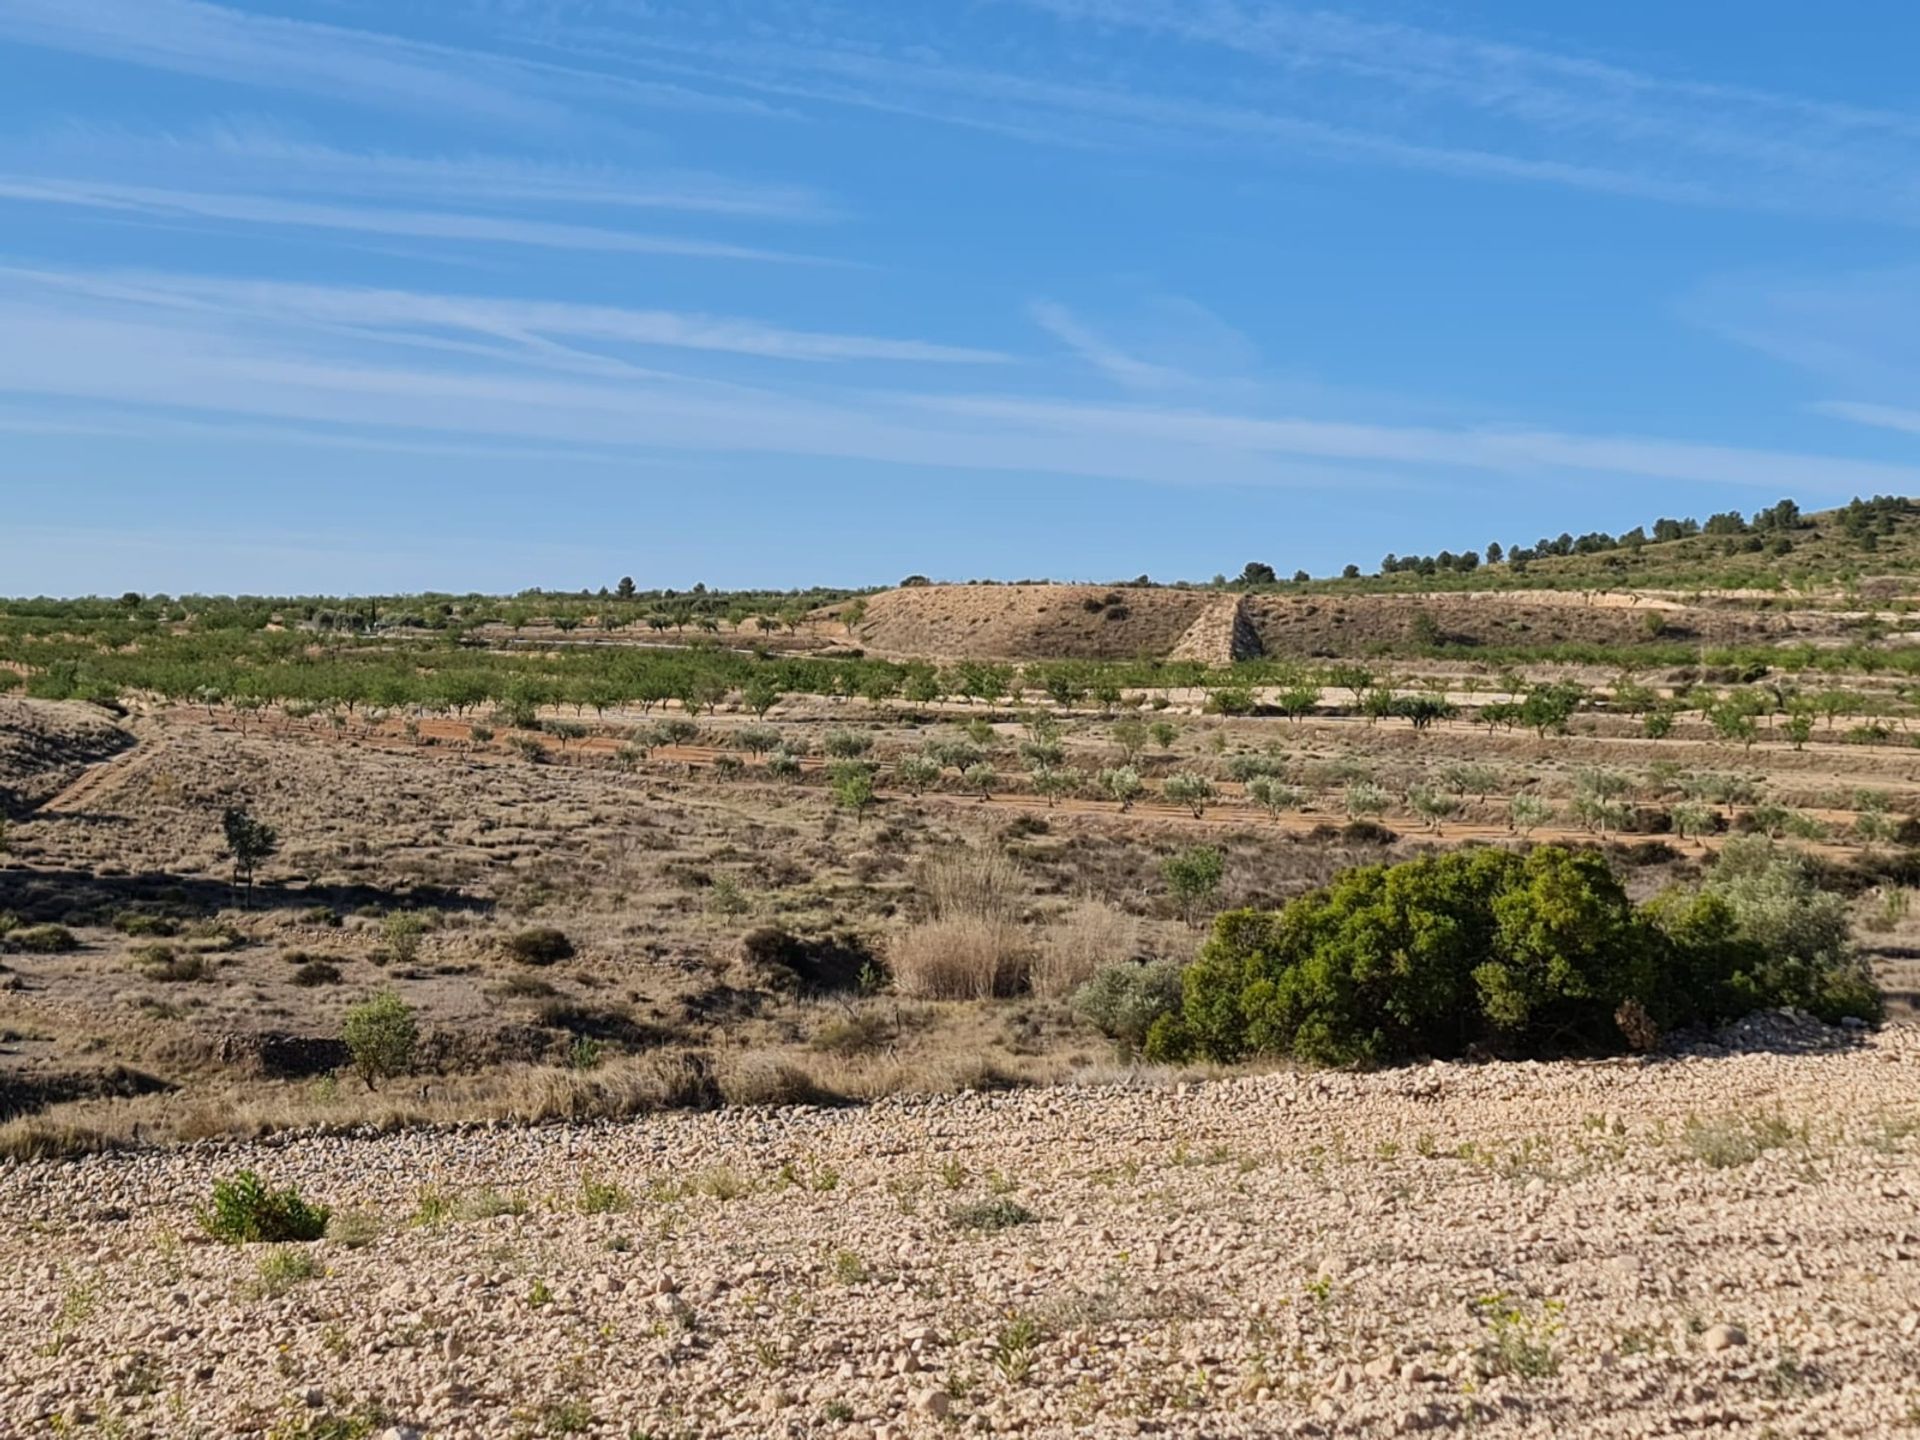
{"x": 349, "y": 295}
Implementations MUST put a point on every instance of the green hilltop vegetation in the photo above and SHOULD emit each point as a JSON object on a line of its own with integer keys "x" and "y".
{"x": 1780, "y": 549}
{"x": 699, "y": 647}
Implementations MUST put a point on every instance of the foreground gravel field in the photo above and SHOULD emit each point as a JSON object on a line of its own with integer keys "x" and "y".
{"x": 1709, "y": 1244}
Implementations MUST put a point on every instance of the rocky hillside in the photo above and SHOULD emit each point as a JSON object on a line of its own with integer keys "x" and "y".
{"x": 1000, "y": 622}
{"x": 1083, "y": 622}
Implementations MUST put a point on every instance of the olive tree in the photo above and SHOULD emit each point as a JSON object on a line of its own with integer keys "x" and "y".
{"x": 249, "y": 842}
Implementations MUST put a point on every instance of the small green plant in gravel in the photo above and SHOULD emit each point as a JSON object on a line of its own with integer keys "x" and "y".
{"x": 1723, "y": 1142}
{"x": 602, "y": 1197}
{"x": 1014, "y": 1347}
{"x": 282, "y": 1268}
{"x": 990, "y": 1216}
{"x": 1520, "y": 1338}
{"x": 245, "y": 1211}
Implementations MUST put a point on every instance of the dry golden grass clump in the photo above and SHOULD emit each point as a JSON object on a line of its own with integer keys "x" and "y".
{"x": 972, "y": 945}
{"x": 1090, "y": 935}
{"x": 959, "y": 957}
{"x": 972, "y": 882}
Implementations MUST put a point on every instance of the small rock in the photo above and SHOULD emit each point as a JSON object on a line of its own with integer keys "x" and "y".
{"x": 936, "y": 1403}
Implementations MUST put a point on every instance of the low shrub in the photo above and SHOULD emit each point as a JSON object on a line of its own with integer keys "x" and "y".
{"x": 245, "y": 1212}
{"x": 1513, "y": 954}
{"x": 35, "y": 1137}
{"x": 990, "y": 1216}
{"x": 164, "y": 963}
{"x": 42, "y": 940}
{"x": 1123, "y": 1001}
{"x": 542, "y": 945}
{"x": 777, "y": 958}
{"x": 312, "y": 973}
{"x": 139, "y": 922}
{"x": 765, "y": 1080}
{"x": 1771, "y": 935}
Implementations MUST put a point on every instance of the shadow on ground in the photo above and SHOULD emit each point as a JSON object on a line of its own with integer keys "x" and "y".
{"x": 78, "y": 897}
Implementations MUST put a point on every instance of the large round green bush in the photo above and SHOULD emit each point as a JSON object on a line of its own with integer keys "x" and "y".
{"x": 1513, "y": 954}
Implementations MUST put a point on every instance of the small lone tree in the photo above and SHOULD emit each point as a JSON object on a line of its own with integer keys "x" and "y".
{"x": 1527, "y": 813}
{"x": 380, "y": 1036}
{"x": 916, "y": 772}
{"x": 1189, "y": 789}
{"x": 249, "y": 841}
{"x": 1694, "y": 820}
{"x": 852, "y": 782}
{"x": 979, "y": 776}
{"x": 1193, "y": 876}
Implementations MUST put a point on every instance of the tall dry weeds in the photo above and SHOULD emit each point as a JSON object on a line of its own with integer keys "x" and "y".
{"x": 959, "y": 957}
{"x": 1088, "y": 936}
{"x": 982, "y": 884}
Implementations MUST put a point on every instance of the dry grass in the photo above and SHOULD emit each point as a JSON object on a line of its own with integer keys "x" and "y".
{"x": 757, "y": 1079}
{"x": 960, "y": 957}
{"x": 1091, "y": 934}
{"x": 980, "y": 884}
{"x": 674, "y": 1080}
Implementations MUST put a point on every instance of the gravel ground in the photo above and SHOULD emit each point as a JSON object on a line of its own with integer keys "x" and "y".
{"x": 1718, "y": 1243}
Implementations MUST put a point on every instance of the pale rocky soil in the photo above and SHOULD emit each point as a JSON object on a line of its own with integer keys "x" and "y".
{"x": 1713, "y": 1244}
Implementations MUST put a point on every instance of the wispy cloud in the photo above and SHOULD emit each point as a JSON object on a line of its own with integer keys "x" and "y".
{"x": 1109, "y": 359}
{"x": 159, "y": 205}
{"x": 1310, "y": 83}
{"x": 247, "y": 154}
{"x": 1488, "y": 449}
{"x": 1854, "y": 333}
{"x": 1882, "y": 417}
{"x": 207, "y": 358}
{"x": 271, "y": 52}
{"x": 381, "y": 69}
{"x": 405, "y": 314}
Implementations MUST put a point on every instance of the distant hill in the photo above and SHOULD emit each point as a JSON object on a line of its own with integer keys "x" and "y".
{"x": 1079, "y": 622}
{"x": 1863, "y": 544}
{"x": 1779, "y": 577}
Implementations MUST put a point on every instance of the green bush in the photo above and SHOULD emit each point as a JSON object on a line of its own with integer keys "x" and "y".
{"x": 380, "y": 1036}
{"x": 245, "y": 1212}
{"x": 139, "y": 922}
{"x": 1193, "y": 876}
{"x": 1122, "y": 1001}
{"x": 1775, "y": 937}
{"x": 1518, "y": 955}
